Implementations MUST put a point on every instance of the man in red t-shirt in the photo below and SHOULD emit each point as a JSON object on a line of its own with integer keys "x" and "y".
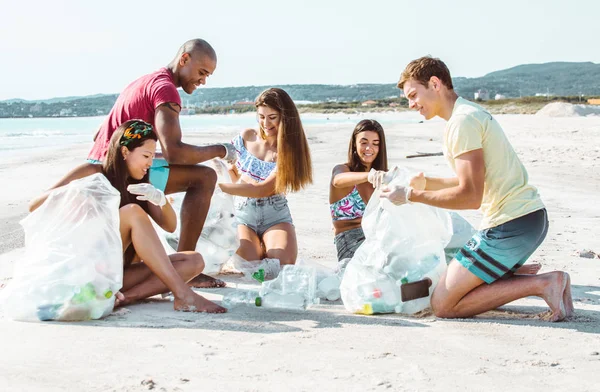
{"x": 154, "y": 98}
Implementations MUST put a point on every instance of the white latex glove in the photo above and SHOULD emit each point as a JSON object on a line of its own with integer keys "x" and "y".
{"x": 397, "y": 194}
{"x": 379, "y": 177}
{"x": 148, "y": 193}
{"x": 375, "y": 177}
{"x": 230, "y": 152}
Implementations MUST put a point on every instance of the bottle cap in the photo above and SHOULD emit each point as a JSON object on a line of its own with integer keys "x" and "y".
{"x": 404, "y": 280}
{"x": 258, "y": 301}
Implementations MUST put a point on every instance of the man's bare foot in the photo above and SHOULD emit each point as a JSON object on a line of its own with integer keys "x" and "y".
{"x": 553, "y": 295}
{"x": 529, "y": 269}
{"x": 206, "y": 282}
{"x": 567, "y": 298}
{"x": 196, "y": 303}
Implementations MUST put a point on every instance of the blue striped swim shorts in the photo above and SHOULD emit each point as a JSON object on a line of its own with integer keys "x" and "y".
{"x": 499, "y": 251}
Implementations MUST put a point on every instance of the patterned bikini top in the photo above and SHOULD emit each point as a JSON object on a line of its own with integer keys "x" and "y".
{"x": 349, "y": 207}
{"x": 250, "y": 165}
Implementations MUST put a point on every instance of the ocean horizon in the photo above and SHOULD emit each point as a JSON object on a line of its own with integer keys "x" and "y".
{"x": 18, "y": 135}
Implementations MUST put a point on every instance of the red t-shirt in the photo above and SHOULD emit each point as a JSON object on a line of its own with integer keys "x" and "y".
{"x": 139, "y": 100}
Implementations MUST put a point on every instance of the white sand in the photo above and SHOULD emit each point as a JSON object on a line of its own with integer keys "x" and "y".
{"x": 564, "y": 109}
{"x": 326, "y": 348}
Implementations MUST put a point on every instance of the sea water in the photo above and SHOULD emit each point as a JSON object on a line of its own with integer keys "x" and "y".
{"x": 21, "y": 135}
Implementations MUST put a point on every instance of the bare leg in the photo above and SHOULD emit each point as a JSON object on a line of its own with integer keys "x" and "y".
{"x": 198, "y": 183}
{"x": 250, "y": 246}
{"x": 529, "y": 269}
{"x": 280, "y": 243}
{"x": 139, "y": 282}
{"x": 460, "y": 294}
{"x": 137, "y": 229}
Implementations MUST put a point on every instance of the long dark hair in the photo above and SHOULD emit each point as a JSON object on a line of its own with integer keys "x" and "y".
{"x": 294, "y": 167}
{"x": 380, "y": 162}
{"x": 131, "y": 135}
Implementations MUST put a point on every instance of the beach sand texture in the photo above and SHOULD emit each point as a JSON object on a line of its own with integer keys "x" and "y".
{"x": 150, "y": 346}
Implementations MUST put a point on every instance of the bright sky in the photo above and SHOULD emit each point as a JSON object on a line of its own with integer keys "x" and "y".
{"x": 77, "y": 47}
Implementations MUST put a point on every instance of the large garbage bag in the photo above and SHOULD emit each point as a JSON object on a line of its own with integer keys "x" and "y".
{"x": 462, "y": 231}
{"x": 403, "y": 245}
{"x": 73, "y": 261}
{"x": 219, "y": 239}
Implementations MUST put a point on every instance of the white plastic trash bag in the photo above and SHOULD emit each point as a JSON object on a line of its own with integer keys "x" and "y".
{"x": 294, "y": 288}
{"x": 462, "y": 231}
{"x": 403, "y": 245}
{"x": 73, "y": 262}
{"x": 219, "y": 239}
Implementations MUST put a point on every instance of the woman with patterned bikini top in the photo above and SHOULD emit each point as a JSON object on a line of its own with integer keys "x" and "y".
{"x": 271, "y": 161}
{"x": 352, "y": 184}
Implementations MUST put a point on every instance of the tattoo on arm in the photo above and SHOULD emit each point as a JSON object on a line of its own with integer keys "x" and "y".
{"x": 170, "y": 106}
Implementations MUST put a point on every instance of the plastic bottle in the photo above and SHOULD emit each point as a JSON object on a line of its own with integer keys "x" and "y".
{"x": 380, "y": 296}
{"x": 290, "y": 301}
{"x": 271, "y": 300}
{"x": 240, "y": 297}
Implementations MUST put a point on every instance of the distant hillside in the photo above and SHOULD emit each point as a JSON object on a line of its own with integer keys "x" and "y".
{"x": 559, "y": 78}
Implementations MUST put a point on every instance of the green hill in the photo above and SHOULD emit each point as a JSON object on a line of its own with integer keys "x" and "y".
{"x": 558, "y": 78}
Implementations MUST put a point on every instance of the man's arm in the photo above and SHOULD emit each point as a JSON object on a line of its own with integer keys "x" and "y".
{"x": 468, "y": 191}
{"x": 423, "y": 183}
{"x": 174, "y": 151}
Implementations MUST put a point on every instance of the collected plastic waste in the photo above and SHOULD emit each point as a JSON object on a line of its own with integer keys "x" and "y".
{"x": 328, "y": 280}
{"x": 73, "y": 262}
{"x": 259, "y": 270}
{"x": 219, "y": 239}
{"x": 402, "y": 258}
{"x": 462, "y": 231}
{"x": 293, "y": 289}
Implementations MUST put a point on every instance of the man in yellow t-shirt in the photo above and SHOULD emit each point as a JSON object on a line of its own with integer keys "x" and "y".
{"x": 489, "y": 177}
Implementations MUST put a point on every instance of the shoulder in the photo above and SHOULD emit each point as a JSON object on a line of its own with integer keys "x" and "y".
{"x": 341, "y": 168}
{"x": 90, "y": 168}
{"x": 249, "y": 135}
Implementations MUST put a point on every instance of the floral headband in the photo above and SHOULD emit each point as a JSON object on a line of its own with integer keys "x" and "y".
{"x": 136, "y": 130}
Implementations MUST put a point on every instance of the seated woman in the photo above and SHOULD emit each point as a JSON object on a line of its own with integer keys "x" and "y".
{"x": 352, "y": 185}
{"x": 273, "y": 160}
{"x": 129, "y": 157}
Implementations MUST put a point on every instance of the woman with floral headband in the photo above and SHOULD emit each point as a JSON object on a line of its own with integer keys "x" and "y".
{"x": 129, "y": 157}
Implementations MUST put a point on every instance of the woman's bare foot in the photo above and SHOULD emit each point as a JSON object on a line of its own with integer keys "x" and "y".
{"x": 203, "y": 281}
{"x": 567, "y": 298}
{"x": 119, "y": 299}
{"x": 196, "y": 303}
{"x": 529, "y": 269}
{"x": 553, "y": 295}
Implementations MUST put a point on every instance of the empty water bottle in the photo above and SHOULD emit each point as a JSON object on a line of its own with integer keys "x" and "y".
{"x": 241, "y": 297}
{"x": 290, "y": 301}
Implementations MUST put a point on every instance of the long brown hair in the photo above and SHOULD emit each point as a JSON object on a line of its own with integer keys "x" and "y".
{"x": 114, "y": 166}
{"x": 294, "y": 167}
{"x": 380, "y": 162}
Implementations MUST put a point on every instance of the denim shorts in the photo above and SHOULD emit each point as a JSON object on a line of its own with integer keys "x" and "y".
{"x": 263, "y": 213}
{"x": 159, "y": 172}
{"x": 499, "y": 251}
{"x": 347, "y": 242}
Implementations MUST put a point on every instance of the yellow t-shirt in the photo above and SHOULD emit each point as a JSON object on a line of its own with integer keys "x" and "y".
{"x": 507, "y": 194}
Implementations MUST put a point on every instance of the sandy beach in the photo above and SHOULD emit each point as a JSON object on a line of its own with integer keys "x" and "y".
{"x": 149, "y": 346}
